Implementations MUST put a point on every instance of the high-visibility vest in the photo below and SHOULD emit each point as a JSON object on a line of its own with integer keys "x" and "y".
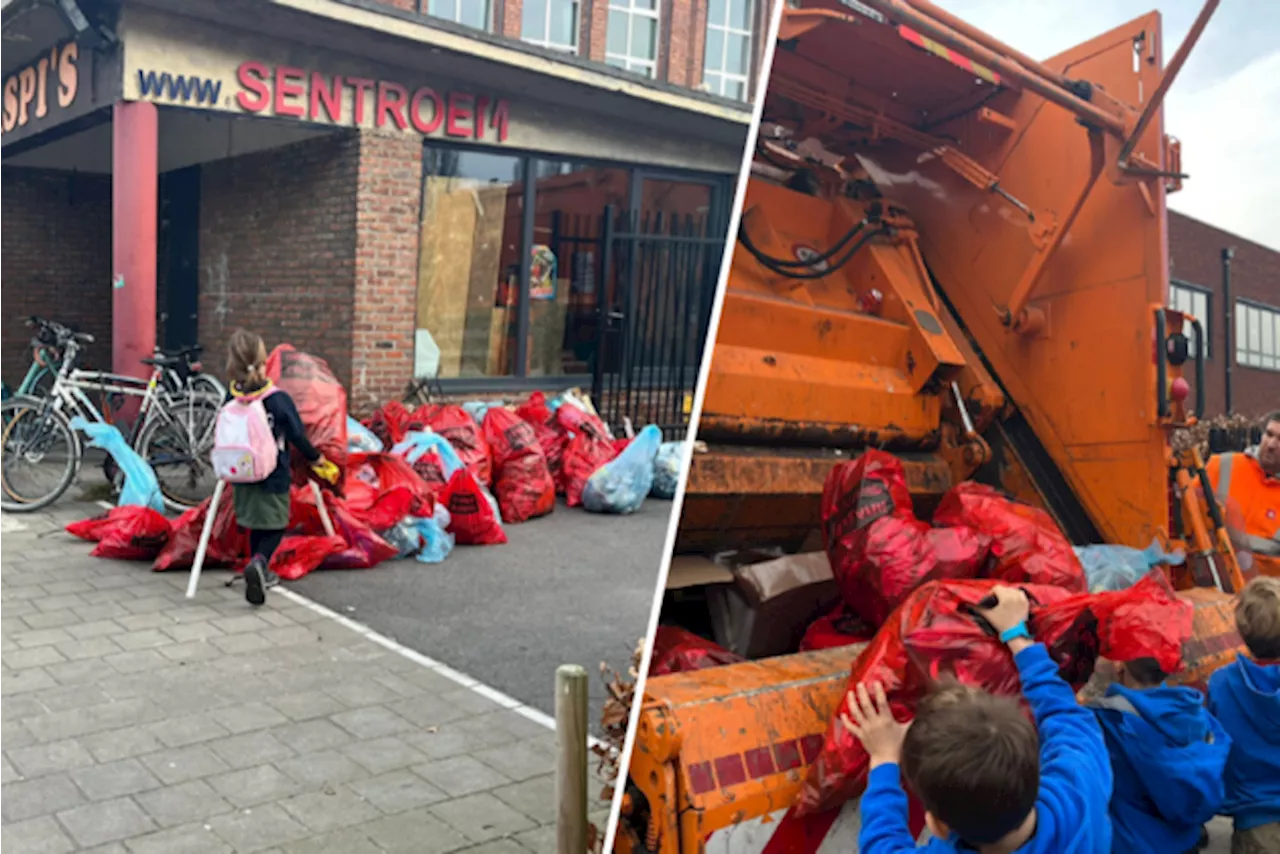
{"x": 1240, "y": 479}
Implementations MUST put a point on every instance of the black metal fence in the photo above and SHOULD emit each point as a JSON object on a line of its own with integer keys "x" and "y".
{"x": 658, "y": 276}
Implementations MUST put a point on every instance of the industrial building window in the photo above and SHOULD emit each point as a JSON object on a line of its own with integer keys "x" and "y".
{"x": 472, "y": 13}
{"x": 1194, "y": 301}
{"x": 1257, "y": 336}
{"x": 727, "y": 62}
{"x": 551, "y": 23}
{"x": 633, "y": 35}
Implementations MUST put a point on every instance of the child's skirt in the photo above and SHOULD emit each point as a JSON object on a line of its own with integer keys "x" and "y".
{"x": 259, "y": 510}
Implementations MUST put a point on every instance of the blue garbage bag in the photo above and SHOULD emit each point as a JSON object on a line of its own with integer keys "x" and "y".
{"x": 477, "y": 408}
{"x": 360, "y": 439}
{"x": 141, "y": 489}
{"x": 424, "y": 538}
{"x": 620, "y": 485}
{"x": 418, "y": 442}
{"x": 666, "y": 470}
{"x": 1120, "y": 567}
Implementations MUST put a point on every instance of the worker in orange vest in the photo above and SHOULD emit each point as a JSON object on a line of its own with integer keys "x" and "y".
{"x": 1250, "y": 483}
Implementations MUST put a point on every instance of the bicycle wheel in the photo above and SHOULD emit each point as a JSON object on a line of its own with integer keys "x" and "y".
{"x": 39, "y": 456}
{"x": 178, "y": 443}
{"x": 207, "y": 385}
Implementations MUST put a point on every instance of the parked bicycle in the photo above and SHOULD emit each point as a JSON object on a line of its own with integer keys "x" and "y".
{"x": 41, "y": 455}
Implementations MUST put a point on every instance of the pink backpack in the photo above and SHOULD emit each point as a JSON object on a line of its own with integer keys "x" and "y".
{"x": 244, "y": 450}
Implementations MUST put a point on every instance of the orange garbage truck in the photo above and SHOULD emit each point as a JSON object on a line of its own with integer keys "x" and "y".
{"x": 958, "y": 254}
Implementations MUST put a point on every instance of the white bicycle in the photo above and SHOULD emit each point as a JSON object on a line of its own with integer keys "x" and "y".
{"x": 42, "y": 455}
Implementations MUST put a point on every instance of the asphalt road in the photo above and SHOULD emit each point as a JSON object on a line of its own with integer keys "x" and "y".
{"x": 570, "y": 588}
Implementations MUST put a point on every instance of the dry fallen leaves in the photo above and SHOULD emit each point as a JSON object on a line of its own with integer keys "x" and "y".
{"x": 613, "y": 720}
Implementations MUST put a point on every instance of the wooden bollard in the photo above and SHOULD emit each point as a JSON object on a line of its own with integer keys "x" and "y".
{"x": 571, "y": 772}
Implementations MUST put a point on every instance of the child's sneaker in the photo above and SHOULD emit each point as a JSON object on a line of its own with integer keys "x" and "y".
{"x": 257, "y": 579}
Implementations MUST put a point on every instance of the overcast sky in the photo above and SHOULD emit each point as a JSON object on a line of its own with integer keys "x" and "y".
{"x": 1224, "y": 106}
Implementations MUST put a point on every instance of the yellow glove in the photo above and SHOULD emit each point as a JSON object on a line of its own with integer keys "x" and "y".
{"x": 325, "y": 470}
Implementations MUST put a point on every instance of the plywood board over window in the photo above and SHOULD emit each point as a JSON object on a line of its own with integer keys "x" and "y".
{"x": 444, "y": 270}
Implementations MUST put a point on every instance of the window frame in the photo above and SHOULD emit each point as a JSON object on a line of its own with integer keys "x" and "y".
{"x": 727, "y": 29}
{"x": 647, "y": 67}
{"x": 1206, "y": 323}
{"x": 722, "y": 196}
{"x": 1242, "y": 340}
{"x": 424, "y": 8}
{"x": 546, "y": 41}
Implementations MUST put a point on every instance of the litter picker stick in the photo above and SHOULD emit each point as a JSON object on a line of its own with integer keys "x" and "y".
{"x": 205, "y": 533}
{"x": 324, "y": 511}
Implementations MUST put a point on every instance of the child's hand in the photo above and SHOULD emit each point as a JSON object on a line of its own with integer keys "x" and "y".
{"x": 871, "y": 721}
{"x": 1011, "y": 608}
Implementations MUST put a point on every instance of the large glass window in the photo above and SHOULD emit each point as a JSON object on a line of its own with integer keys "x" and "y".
{"x": 1257, "y": 336}
{"x": 551, "y": 23}
{"x": 633, "y": 36}
{"x": 469, "y": 264}
{"x": 727, "y": 60}
{"x": 1195, "y": 302}
{"x": 473, "y": 13}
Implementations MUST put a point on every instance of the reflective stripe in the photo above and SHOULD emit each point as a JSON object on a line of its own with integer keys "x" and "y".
{"x": 1270, "y": 547}
{"x": 1224, "y": 480}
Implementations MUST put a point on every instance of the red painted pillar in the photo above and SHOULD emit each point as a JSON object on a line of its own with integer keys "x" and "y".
{"x": 135, "y": 139}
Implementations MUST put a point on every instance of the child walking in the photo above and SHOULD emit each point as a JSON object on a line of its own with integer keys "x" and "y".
{"x": 988, "y": 782}
{"x": 1245, "y": 697}
{"x": 262, "y": 505}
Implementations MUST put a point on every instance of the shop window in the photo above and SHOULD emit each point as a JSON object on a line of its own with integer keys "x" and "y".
{"x": 469, "y": 263}
{"x": 551, "y": 23}
{"x": 1194, "y": 301}
{"x": 566, "y": 275}
{"x": 472, "y": 13}
{"x": 633, "y": 36}
{"x": 727, "y": 62}
{"x": 1257, "y": 336}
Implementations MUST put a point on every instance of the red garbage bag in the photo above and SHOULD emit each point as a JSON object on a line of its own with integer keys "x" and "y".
{"x": 508, "y": 436}
{"x": 362, "y": 547}
{"x": 879, "y": 550}
{"x": 228, "y": 542}
{"x": 321, "y": 402}
{"x": 464, "y": 434}
{"x": 125, "y": 533}
{"x": 1026, "y": 544}
{"x": 575, "y": 420}
{"x": 473, "y": 520}
{"x": 386, "y": 472}
{"x": 525, "y": 489}
{"x": 839, "y": 628}
{"x": 386, "y": 509}
{"x": 298, "y": 555}
{"x": 935, "y": 633}
{"x": 553, "y": 444}
{"x": 535, "y": 410}
{"x": 430, "y": 470}
{"x": 582, "y": 456}
{"x": 678, "y": 651}
{"x": 389, "y": 423}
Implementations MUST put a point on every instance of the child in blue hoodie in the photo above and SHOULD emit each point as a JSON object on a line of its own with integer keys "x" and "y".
{"x": 1168, "y": 754}
{"x": 1245, "y": 697}
{"x": 989, "y": 783}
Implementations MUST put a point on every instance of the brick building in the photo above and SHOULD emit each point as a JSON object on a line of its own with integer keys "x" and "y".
{"x": 1232, "y": 285}
{"x": 388, "y": 188}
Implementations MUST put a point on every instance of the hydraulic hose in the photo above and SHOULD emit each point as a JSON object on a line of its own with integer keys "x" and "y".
{"x": 787, "y": 268}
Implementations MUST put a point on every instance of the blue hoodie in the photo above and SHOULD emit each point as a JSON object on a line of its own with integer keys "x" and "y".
{"x": 1168, "y": 756}
{"x": 1075, "y": 778}
{"x": 1245, "y": 697}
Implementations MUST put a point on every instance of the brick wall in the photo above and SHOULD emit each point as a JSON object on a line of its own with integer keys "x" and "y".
{"x": 278, "y": 248}
{"x": 595, "y": 29}
{"x": 56, "y": 260}
{"x": 1195, "y": 256}
{"x": 386, "y": 274}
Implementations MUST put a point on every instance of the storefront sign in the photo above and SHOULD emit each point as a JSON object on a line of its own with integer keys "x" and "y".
{"x": 285, "y": 91}
{"x": 38, "y": 94}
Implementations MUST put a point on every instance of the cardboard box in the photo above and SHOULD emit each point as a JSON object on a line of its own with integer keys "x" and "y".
{"x": 770, "y": 604}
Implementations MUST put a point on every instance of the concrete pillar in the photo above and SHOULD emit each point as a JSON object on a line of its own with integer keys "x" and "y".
{"x": 135, "y": 139}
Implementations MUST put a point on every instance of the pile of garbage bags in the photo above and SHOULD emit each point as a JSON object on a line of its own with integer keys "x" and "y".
{"x": 907, "y": 590}
{"x": 412, "y": 483}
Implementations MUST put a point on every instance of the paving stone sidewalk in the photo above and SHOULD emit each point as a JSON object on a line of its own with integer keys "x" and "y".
{"x": 136, "y": 721}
